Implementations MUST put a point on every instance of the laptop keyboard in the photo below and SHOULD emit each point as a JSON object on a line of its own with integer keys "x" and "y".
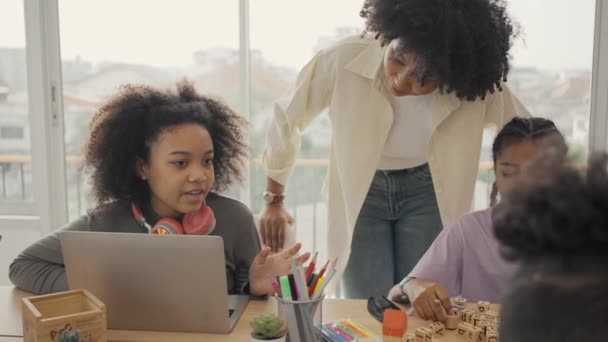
{"x": 230, "y": 312}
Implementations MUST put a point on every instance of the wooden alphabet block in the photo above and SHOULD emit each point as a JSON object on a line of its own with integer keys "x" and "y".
{"x": 466, "y": 315}
{"x": 484, "y": 325}
{"x": 483, "y": 306}
{"x": 491, "y": 335}
{"x": 492, "y": 313}
{"x": 486, "y": 318}
{"x": 452, "y": 322}
{"x": 438, "y": 328}
{"x": 424, "y": 335}
{"x": 468, "y": 331}
{"x": 473, "y": 334}
{"x": 475, "y": 318}
{"x": 459, "y": 301}
{"x": 463, "y": 329}
{"x": 410, "y": 338}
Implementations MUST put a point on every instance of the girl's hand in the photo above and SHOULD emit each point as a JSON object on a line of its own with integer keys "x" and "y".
{"x": 266, "y": 267}
{"x": 430, "y": 300}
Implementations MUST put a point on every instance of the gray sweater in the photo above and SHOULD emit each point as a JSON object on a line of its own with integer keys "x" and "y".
{"x": 40, "y": 269}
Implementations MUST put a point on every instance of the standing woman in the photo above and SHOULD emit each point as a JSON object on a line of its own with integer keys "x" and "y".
{"x": 408, "y": 104}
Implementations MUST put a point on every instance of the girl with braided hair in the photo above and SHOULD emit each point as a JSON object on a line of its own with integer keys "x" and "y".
{"x": 464, "y": 260}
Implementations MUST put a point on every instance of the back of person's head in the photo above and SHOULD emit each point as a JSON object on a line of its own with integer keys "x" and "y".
{"x": 520, "y": 129}
{"x": 465, "y": 43}
{"x": 123, "y": 130}
{"x": 556, "y": 226}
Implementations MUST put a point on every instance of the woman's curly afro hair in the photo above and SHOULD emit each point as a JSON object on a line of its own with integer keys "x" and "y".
{"x": 465, "y": 43}
{"x": 123, "y": 130}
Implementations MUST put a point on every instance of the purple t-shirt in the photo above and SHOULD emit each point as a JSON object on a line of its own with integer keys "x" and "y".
{"x": 465, "y": 260}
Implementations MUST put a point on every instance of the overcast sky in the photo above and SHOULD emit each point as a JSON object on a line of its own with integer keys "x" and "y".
{"x": 558, "y": 34}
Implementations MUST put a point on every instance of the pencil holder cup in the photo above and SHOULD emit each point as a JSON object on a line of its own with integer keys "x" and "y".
{"x": 303, "y": 318}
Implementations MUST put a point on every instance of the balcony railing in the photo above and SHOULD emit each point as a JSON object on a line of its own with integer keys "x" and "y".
{"x": 309, "y": 212}
{"x": 15, "y": 171}
{"x": 12, "y": 167}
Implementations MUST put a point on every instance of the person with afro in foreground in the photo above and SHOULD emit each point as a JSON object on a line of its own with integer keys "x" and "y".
{"x": 555, "y": 226}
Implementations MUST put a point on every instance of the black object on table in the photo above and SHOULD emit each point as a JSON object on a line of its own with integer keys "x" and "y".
{"x": 377, "y": 305}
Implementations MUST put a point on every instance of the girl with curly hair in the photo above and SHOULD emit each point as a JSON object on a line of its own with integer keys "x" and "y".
{"x": 408, "y": 101}
{"x": 464, "y": 259}
{"x": 555, "y": 226}
{"x": 158, "y": 158}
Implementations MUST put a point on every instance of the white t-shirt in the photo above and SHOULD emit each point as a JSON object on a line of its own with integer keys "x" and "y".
{"x": 408, "y": 140}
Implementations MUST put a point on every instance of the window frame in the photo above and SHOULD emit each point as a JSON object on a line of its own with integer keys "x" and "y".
{"x": 598, "y": 120}
{"x": 48, "y": 209}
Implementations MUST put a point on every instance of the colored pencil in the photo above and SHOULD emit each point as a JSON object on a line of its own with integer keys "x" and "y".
{"x": 311, "y": 266}
{"x": 314, "y": 282}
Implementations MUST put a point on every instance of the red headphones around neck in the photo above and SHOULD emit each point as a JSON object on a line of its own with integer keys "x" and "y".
{"x": 201, "y": 222}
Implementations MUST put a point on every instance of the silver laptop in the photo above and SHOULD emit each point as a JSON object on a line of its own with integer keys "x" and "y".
{"x": 171, "y": 283}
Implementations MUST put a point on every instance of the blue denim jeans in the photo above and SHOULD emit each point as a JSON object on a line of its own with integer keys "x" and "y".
{"x": 398, "y": 222}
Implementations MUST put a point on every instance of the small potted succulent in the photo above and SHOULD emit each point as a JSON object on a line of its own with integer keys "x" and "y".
{"x": 268, "y": 327}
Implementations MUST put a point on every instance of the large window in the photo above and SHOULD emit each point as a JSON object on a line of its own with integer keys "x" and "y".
{"x": 551, "y": 74}
{"x": 551, "y": 77}
{"x": 247, "y": 57}
{"x": 15, "y": 153}
{"x": 105, "y": 44}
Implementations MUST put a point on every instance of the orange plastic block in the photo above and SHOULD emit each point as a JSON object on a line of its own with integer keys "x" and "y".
{"x": 394, "y": 323}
